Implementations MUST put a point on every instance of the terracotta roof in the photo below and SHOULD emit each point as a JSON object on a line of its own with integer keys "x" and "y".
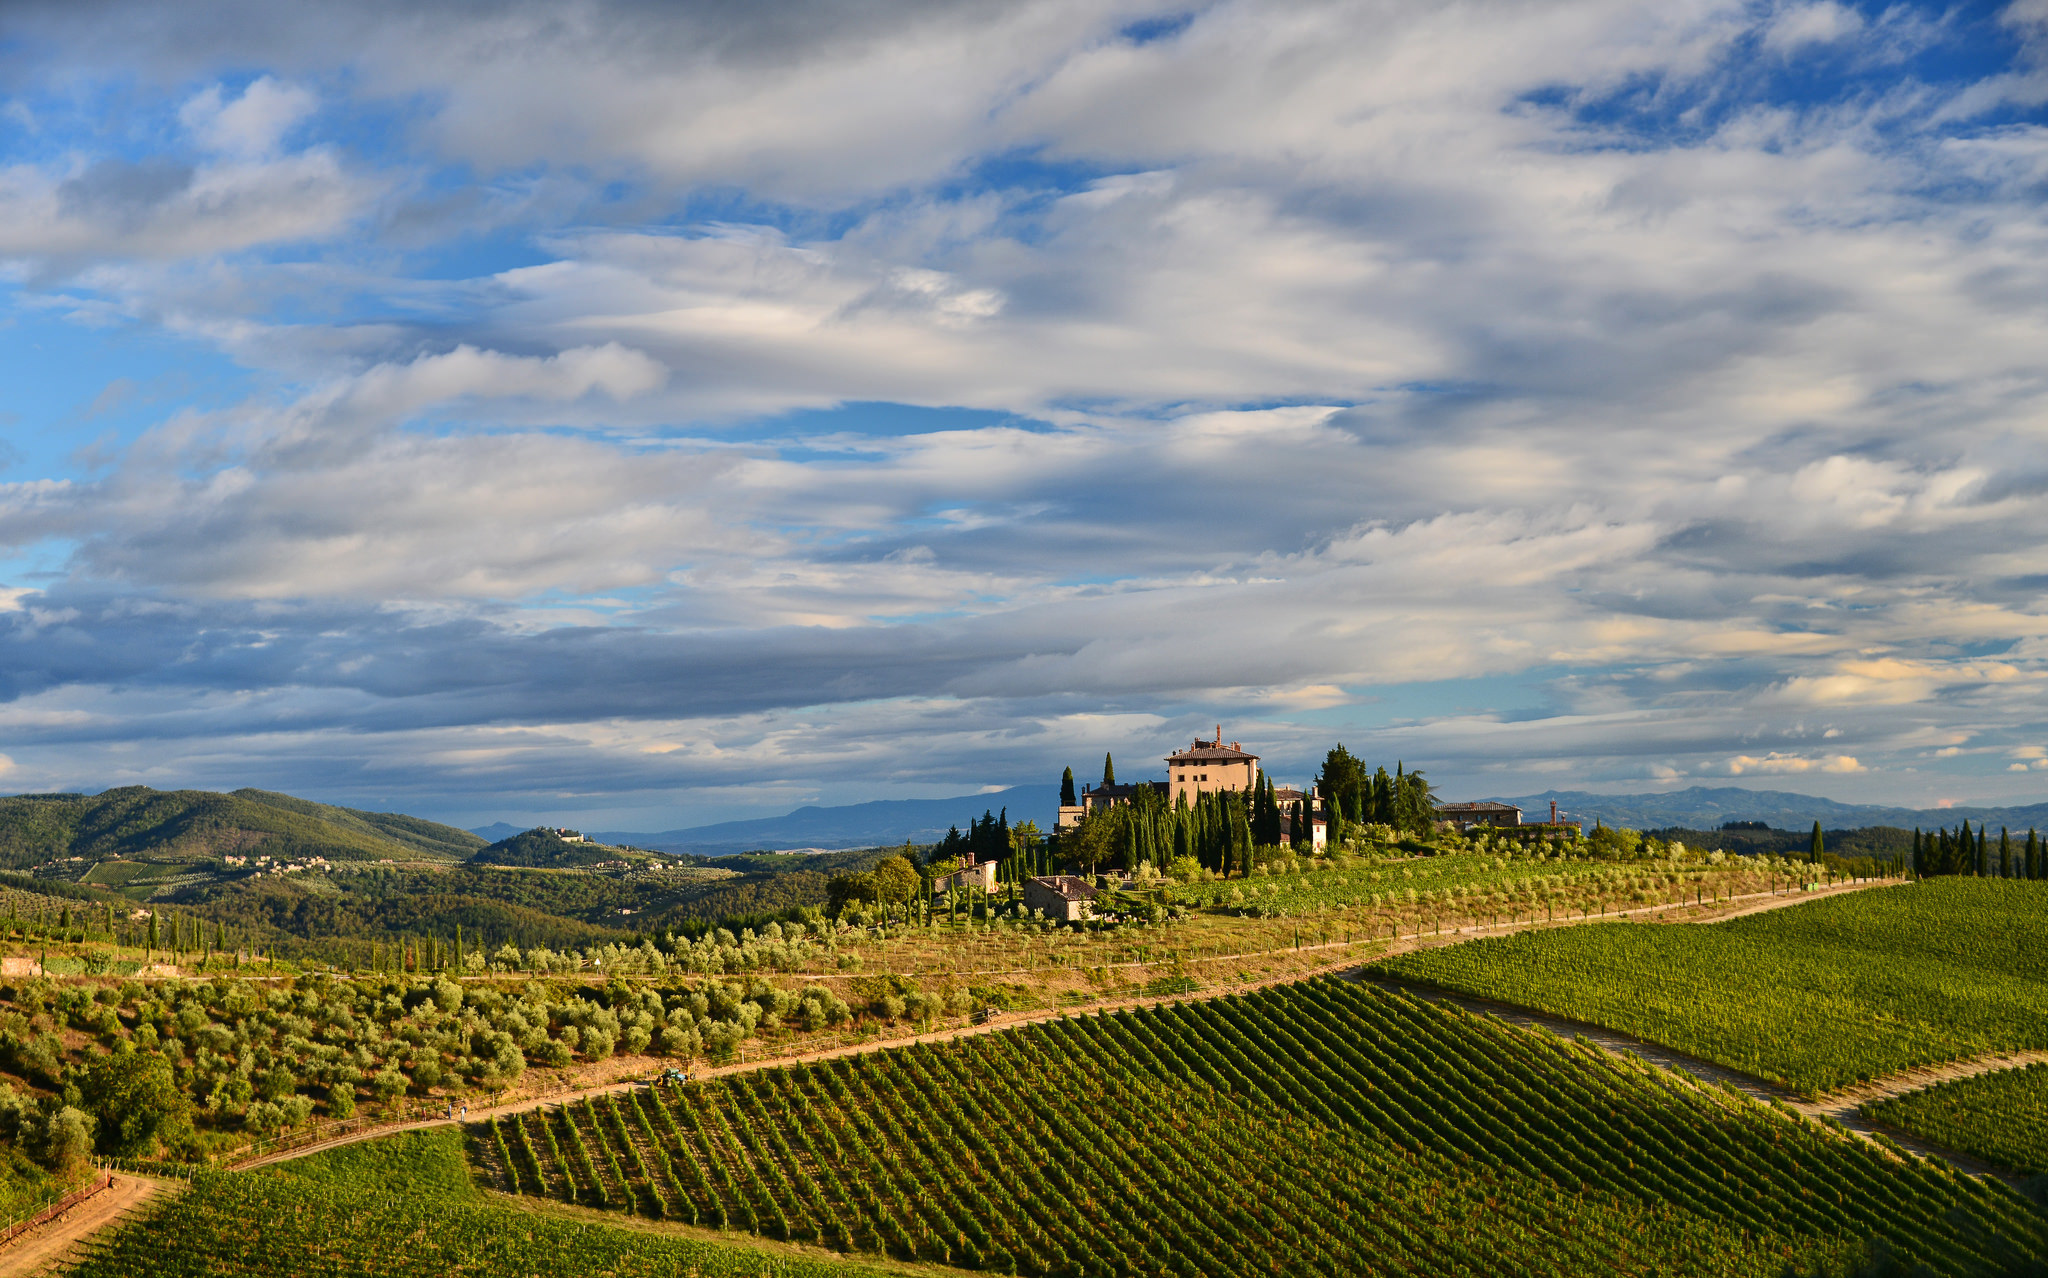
{"x": 1477, "y": 807}
{"x": 1068, "y": 886}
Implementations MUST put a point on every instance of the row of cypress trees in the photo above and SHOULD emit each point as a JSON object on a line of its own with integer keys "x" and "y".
{"x": 1960, "y": 852}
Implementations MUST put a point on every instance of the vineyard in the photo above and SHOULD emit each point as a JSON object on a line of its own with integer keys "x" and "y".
{"x": 1465, "y": 886}
{"x": 271, "y": 1223}
{"x": 2000, "y": 1117}
{"x": 1818, "y": 997}
{"x": 1317, "y": 1128}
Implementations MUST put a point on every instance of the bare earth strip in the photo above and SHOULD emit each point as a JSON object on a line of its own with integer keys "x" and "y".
{"x": 47, "y": 1244}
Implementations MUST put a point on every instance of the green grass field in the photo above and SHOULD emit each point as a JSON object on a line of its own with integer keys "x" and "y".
{"x": 429, "y": 1163}
{"x": 1326, "y": 1127}
{"x": 1818, "y": 996}
{"x": 2000, "y": 1117}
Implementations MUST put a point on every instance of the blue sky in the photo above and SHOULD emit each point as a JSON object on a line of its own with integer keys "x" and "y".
{"x": 643, "y": 415}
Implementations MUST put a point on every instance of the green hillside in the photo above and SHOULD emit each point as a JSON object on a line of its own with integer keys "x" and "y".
{"x": 174, "y": 825}
{"x": 430, "y": 837}
{"x": 544, "y": 849}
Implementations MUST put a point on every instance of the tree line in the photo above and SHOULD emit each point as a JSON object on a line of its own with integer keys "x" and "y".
{"x": 1961, "y": 852}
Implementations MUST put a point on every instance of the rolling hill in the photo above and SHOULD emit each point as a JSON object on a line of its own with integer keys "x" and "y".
{"x": 201, "y": 825}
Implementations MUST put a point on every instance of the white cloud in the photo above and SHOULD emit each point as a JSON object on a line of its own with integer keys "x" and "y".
{"x": 1358, "y": 350}
{"x": 1775, "y": 764}
{"x": 1802, "y": 24}
{"x": 250, "y": 126}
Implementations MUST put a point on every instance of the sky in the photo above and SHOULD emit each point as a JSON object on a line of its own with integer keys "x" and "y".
{"x": 645, "y": 415}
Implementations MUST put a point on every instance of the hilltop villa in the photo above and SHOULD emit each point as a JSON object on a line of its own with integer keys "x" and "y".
{"x": 1204, "y": 767}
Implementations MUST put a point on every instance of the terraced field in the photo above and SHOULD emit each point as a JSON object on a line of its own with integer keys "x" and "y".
{"x": 1817, "y": 997}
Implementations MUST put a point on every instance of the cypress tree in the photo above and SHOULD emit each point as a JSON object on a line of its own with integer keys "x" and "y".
{"x": 1108, "y": 769}
{"x": 458, "y": 947}
{"x": 2033, "y": 853}
{"x": 1067, "y": 799}
{"x": 1813, "y": 847}
{"x": 1915, "y": 867}
{"x": 152, "y": 935}
{"x": 2004, "y": 853}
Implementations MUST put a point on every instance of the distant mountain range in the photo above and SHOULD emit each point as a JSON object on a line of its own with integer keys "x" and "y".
{"x": 886, "y": 821}
{"x": 856, "y": 825}
{"x": 1706, "y": 808}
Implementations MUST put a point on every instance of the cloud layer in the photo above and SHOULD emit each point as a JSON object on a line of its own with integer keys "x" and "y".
{"x": 660, "y": 414}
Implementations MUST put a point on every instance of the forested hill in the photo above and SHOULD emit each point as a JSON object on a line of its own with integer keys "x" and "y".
{"x": 201, "y": 824}
{"x": 542, "y": 848}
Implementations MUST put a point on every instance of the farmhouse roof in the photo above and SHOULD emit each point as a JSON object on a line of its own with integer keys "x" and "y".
{"x": 1207, "y": 751}
{"x": 1476, "y": 808}
{"x": 1067, "y": 885}
{"x": 1124, "y": 791}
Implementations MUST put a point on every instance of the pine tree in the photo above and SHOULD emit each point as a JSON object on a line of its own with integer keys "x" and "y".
{"x": 1067, "y": 799}
{"x": 1813, "y": 847}
{"x": 1108, "y": 769}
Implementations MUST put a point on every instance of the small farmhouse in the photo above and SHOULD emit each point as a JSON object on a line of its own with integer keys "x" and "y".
{"x": 966, "y": 872}
{"x": 1060, "y": 896}
{"x": 1467, "y": 815}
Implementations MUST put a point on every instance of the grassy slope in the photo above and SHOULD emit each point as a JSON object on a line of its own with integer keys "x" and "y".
{"x": 2000, "y": 1117}
{"x": 1818, "y": 996}
{"x": 430, "y": 838}
{"x": 199, "y": 824}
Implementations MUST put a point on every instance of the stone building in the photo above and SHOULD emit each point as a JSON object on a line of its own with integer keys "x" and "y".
{"x": 1208, "y": 766}
{"x": 1467, "y": 815}
{"x": 966, "y": 872}
{"x": 1060, "y": 896}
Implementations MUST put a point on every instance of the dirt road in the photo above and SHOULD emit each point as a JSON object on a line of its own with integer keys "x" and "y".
{"x": 47, "y": 1243}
